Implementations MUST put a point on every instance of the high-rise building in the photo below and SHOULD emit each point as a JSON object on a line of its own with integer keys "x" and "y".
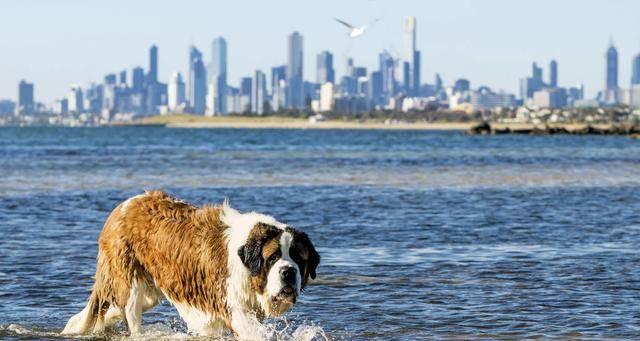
{"x": 635, "y": 70}
{"x": 612, "y": 67}
{"x": 194, "y": 56}
{"x": 259, "y": 95}
{"x": 461, "y": 85}
{"x": 326, "y": 96}
{"x": 438, "y": 83}
{"x": 218, "y": 74}
{"x": 245, "y": 94}
{"x": 295, "y": 97}
{"x": 176, "y": 92}
{"x": 325, "y": 72}
{"x": 412, "y": 57}
{"x": 93, "y": 98}
{"x": 278, "y": 73}
{"x": 137, "y": 79}
{"x": 75, "y": 100}
{"x": 350, "y": 67}
{"x": 550, "y": 98}
{"x": 416, "y": 74}
{"x": 634, "y": 91}
{"x": 153, "y": 64}
{"x": 26, "y": 104}
{"x": 374, "y": 91}
{"x": 123, "y": 77}
{"x": 529, "y": 85}
{"x": 553, "y": 74}
{"x": 197, "y": 85}
{"x": 387, "y": 71}
{"x": 611, "y": 86}
{"x": 109, "y": 96}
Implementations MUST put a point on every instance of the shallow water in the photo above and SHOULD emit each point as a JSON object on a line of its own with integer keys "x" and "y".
{"x": 423, "y": 235}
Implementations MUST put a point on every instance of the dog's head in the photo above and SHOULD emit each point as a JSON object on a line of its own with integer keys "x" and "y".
{"x": 280, "y": 262}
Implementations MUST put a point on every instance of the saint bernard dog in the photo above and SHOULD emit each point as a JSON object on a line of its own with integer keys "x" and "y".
{"x": 223, "y": 270}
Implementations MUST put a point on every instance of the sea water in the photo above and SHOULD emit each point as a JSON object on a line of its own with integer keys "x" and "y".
{"x": 423, "y": 235}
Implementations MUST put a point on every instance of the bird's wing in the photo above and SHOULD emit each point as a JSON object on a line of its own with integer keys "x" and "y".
{"x": 344, "y": 23}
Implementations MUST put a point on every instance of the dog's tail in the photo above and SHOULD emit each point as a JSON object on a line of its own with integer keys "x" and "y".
{"x": 91, "y": 318}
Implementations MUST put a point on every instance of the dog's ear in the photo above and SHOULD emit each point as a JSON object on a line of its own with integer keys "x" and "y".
{"x": 251, "y": 252}
{"x": 313, "y": 258}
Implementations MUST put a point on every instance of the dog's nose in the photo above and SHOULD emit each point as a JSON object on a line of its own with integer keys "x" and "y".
{"x": 288, "y": 275}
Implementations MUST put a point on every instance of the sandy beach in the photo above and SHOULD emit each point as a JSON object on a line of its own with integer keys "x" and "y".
{"x": 275, "y": 122}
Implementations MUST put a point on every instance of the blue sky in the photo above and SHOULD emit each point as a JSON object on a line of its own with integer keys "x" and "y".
{"x": 56, "y": 43}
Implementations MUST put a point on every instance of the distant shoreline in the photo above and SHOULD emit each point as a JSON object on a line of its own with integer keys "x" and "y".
{"x": 279, "y": 122}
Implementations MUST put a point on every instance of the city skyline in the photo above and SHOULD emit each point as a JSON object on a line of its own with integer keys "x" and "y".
{"x": 466, "y": 43}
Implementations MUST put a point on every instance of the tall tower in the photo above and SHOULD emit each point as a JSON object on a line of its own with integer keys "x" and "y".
{"x": 137, "y": 81}
{"x": 295, "y": 91}
{"x": 176, "y": 91}
{"x": 635, "y": 82}
{"x": 412, "y": 57}
{"x": 197, "y": 87}
{"x": 612, "y": 67}
{"x": 218, "y": 74}
{"x": 387, "y": 71}
{"x": 553, "y": 74}
{"x": 259, "y": 91}
{"x": 611, "y": 85}
{"x": 635, "y": 70}
{"x": 153, "y": 65}
{"x": 25, "y": 103}
{"x": 325, "y": 72}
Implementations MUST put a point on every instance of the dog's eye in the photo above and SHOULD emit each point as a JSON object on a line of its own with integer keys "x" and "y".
{"x": 273, "y": 258}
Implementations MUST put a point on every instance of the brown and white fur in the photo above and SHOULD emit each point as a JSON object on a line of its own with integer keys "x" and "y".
{"x": 221, "y": 269}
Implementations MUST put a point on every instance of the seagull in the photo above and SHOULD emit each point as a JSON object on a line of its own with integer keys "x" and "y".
{"x": 355, "y": 31}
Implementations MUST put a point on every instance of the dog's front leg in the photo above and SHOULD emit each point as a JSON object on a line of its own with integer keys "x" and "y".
{"x": 245, "y": 326}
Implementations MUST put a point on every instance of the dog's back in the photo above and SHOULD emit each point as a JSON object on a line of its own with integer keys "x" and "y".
{"x": 154, "y": 246}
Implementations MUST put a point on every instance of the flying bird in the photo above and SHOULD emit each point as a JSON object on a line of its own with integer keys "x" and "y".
{"x": 355, "y": 31}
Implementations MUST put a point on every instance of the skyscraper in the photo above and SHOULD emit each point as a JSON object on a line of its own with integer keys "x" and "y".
{"x": 612, "y": 68}
{"x": 529, "y": 85}
{"x": 416, "y": 73}
{"x": 325, "y": 72}
{"x": 635, "y": 82}
{"x": 197, "y": 85}
{"x": 553, "y": 74}
{"x": 137, "y": 81}
{"x": 278, "y": 73}
{"x": 75, "y": 100}
{"x": 374, "y": 91}
{"x": 259, "y": 95}
{"x": 635, "y": 70}
{"x": 25, "y": 103}
{"x": 438, "y": 83}
{"x": 412, "y": 56}
{"x": 153, "y": 64}
{"x": 176, "y": 91}
{"x": 218, "y": 74}
{"x": 611, "y": 85}
{"x": 410, "y": 36}
{"x": 295, "y": 96}
{"x": 123, "y": 77}
{"x": 387, "y": 71}
{"x": 245, "y": 94}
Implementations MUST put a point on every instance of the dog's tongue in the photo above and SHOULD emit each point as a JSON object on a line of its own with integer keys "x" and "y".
{"x": 287, "y": 290}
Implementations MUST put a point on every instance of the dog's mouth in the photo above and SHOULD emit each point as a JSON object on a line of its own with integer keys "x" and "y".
{"x": 287, "y": 294}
